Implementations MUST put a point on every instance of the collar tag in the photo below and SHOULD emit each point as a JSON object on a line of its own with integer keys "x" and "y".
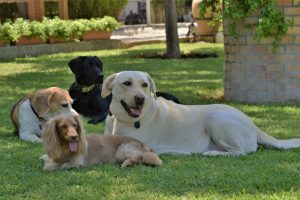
{"x": 137, "y": 124}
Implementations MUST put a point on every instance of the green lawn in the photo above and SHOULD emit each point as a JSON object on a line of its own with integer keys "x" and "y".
{"x": 266, "y": 174}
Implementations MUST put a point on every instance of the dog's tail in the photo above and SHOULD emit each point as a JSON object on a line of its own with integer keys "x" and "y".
{"x": 13, "y": 115}
{"x": 150, "y": 158}
{"x": 272, "y": 142}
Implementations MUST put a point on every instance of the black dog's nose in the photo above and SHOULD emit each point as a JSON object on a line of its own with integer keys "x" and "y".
{"x": 139, "y": 99}
{"x": 74, "y": 138}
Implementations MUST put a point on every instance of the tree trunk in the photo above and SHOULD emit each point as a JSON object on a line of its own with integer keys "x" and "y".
{"x": 172, "y": 42}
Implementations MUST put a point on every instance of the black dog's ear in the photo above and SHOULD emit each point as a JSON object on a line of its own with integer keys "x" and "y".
{"x": 75, "y": 65}
{"x": 99, "y": 62}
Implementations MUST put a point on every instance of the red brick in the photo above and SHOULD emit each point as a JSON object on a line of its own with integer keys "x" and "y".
{"x": 294, "y": 30}
{"x": 252, "y": 58}
{"x": 260, "y": 49}
{"x": 295, "y": 76}
{"x": 231, "y": 58}
{"x": 296, "y": 20}
{"x": 268, "y": 58}
{"x": 279, "y": 49}
{"x": 297, "y": 58}
{"x": 266, "y": 41}
{"x": 293, "y": 67}
{"x": 292, "y": 11}
{"x": 275, "y": 67}
{"x": 251, "y": 40}
{"x": 297, "y": 39}
{"x": 246, "y": 49}
{"x": 284, "y": 2}
{"x": 294, "y": 48}
{"x": 287, "y": 39}
{"x": 284, "y": 58}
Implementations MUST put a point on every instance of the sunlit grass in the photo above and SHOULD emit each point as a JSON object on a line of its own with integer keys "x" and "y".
{"x": 266, "y": 174}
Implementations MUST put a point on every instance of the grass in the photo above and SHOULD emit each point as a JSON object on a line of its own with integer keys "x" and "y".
{"x": 266, "y": 174}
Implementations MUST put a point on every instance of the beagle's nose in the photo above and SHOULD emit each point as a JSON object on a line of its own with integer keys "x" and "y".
{"x": 139, "y": 100}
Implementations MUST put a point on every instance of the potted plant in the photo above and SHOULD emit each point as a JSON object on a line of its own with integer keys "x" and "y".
{"x": 99, "y": 28}
{"x": 58, "y": 30}
{"x": 31, "y": 32}
{"x": 8, "y": 34}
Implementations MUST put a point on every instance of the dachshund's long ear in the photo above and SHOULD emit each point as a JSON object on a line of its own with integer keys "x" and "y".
{"x": 51, "y": 140}
{"x": 41, "y": 101}
{"x": 81, "y": 133}
{"x": 152, "y": 85}
{"x": 76, "y": 65}
{"x": 107, "y": 85}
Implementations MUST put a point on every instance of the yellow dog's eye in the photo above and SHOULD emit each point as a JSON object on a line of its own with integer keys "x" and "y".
{"x": 145, "y": 85}
{"x": 127, "y": 83}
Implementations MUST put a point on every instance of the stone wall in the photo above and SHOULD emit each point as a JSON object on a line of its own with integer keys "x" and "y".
{"x": 255, "y": 74}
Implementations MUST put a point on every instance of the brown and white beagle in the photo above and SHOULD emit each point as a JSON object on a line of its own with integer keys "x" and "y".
{"x": 31, "y": 112}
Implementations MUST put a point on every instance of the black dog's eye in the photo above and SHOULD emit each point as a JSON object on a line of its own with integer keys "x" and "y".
{"x": 65, "y": 105}
{"x": 127, "y": 83}
{"x": 145, "y": 85}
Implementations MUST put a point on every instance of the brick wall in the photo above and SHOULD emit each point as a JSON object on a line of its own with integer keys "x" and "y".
{"x": 253, "y": 73}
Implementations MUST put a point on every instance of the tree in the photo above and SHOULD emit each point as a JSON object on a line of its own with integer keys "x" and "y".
{"x": 172, "y": 41}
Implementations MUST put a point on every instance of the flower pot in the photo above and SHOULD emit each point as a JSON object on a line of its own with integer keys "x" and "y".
{"x": 204, "y": 28}
{"x": 4, "y": 42}
{"x": 24, "y": 40}
{"x": 54, "y": 40}
{"x": 96, "y": 35}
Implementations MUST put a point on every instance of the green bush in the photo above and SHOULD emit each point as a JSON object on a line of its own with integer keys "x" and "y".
{"x": 8, "y": 32}
{"x": 102, "y": 24}
{"x": 95, "y": 8}
{"x": 57, "y": 28}
{"x": 29, "y": 28}
{"x": 64, "y": 29}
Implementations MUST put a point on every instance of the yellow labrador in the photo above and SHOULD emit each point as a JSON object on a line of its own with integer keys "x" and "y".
{"x": 173, "y": 128}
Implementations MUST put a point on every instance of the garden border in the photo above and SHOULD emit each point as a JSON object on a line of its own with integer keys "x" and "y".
{"x": 11, "y": 52}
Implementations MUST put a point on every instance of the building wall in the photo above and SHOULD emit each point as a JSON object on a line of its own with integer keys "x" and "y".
{"x": 255, "y": 74}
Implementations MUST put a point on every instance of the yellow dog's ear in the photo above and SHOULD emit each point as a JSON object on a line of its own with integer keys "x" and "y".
{"x": 152, "y": 85}
{"x": 107, "y": 85}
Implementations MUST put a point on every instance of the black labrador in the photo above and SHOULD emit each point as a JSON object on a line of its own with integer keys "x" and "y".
{"x": 86, "y": 90}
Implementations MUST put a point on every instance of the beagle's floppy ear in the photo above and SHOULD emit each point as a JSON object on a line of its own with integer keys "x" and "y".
{"x": 41, "y": 101}
{"x": 107, "y": 85}
{"x": 75, "y": 65}
{"x": 152, "y": 85}
{"x": 51, "y": 140}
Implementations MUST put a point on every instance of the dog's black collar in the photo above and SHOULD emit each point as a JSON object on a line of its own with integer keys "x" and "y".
{"x": 83, "y": 88}
{"x": 35, "y": 113}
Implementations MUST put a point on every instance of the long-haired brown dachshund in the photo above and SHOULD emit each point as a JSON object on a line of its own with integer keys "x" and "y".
{"x": 67, "y": 146}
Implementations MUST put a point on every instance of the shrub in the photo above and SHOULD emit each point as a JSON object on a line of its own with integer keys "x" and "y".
{"x": 102, "y": 24}
{"x": 64, "y": 29}
{"x": 8, "y": 32}
{"x": 30, "y": 28}
{"x": 56, "y": 27}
